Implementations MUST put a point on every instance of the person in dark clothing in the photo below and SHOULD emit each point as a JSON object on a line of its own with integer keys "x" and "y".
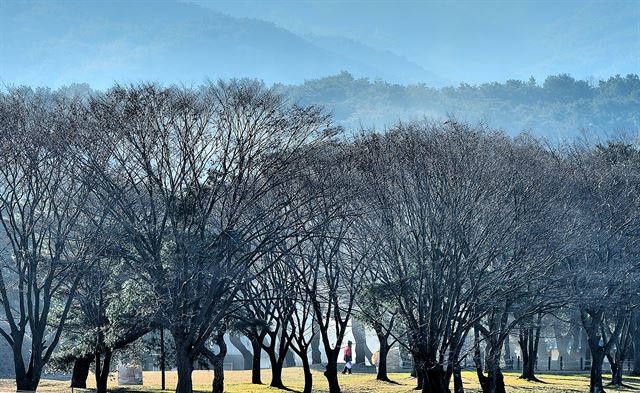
{"x": 347, "y": 358}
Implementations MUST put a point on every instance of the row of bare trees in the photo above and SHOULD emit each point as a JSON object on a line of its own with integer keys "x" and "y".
{"x": 224, "y": 208}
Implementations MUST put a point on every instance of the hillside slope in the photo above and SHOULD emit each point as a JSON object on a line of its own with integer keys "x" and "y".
{"x": 102, "y": 42}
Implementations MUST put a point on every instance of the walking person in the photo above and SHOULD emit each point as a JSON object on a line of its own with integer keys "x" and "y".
{"x": 347, "y": 358}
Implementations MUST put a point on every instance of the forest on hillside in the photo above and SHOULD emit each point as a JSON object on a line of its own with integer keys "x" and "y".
{"x": 559, "y": 108}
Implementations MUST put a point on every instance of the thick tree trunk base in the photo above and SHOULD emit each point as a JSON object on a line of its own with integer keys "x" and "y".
{"x": 485, "y": 382}
{"x": 27, "y": 385}
{"x": 308, "y": 377}
{"x": 255, "y": 363}
{"x": 458, "y": 386}
{"x": 80, "y": 372}
{"x": 331, "y": 373}
{"x": 276, "y": 377}
{"x": 185, "y": 369}
{"x": 419, "y": 379}
{"x": 28, "y": 382}
{"x": 434, "y": 380}
{"x": 102, "y": 370}
{"x": 382, "y": 360}
{"x": 101, "y": 384}
{"x": 218, "y": 378}
{"x": 529, "y": 375}
{"x": 595, "y": 382}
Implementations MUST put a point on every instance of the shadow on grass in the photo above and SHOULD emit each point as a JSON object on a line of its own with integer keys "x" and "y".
{"x": 534, "y": 379}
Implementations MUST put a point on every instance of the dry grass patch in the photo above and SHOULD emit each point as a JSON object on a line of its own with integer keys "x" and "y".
{"x": 237, "y": 382}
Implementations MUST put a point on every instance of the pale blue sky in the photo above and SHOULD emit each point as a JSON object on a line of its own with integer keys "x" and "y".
{"x": 474, "y": 40}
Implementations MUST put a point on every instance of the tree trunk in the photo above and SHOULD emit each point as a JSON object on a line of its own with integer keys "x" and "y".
{"x": 30, "y": 379}
{"x": 218, "y": 362}
{"x": 458, "y": 386}
{"x": 276, "y": 376}
{"x": 528, "y": 367}
{"x": 362, "y": 351}
{"x": 418, "y": 373}
{"x": 256, "y": 362}
{"x": 495, "y": 377}
{"x": 290, "y": 359}
{"x": 102, "y": 370}
{"x": 597, "y": 358}
{"x": 184, "y": 366}
{"x": 247, "y": 356}
{"x": 636, "y": 344}
{"x": 507, "y": 353}
{"x": 162, "y": 361}
{"x": 316, "y": 355}
{"x": 586, "y": 352}
{"x": 453, "y": 366}
{"x": 27, "y": 382}
{"x": 493, "y": 382}
{"x": 382, "y": 358}
{"x": 276, "y": 369}
{"x": 331, "y": 373}
{"x": 616, "y": 373}
{"x": 218, "y": 376}
{"x": 331, "y": 370}
{"x": 529, "y": 339}
{"x": 308, "y": 377}
{"x": 434, "y": 378}
{"x": 80, "y": 372}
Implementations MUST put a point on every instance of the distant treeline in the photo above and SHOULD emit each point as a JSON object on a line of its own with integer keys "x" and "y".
{"x": 561, "y": 107}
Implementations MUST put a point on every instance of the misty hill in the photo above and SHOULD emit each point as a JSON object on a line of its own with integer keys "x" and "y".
{"x": 560, "y": 107}
{"x": 384, "y": 64}
{"x": 61, "y": 42}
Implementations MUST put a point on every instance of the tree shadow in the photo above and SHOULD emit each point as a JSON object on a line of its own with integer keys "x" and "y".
{"x": 534, "y": 379}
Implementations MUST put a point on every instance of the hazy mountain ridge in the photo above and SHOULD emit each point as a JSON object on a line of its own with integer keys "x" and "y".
{"x": 173, "y": 42}
{"x": 388, "y": 65}
{"x": 169, "y": 42}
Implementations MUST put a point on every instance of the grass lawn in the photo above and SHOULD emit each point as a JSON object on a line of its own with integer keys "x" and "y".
{"x": 236, "y": 382}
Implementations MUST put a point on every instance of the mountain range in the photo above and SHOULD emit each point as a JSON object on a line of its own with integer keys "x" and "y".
{"x": 55, "y": 43}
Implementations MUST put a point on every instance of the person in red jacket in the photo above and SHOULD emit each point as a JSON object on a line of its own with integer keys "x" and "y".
{"x": 347, "y": 358}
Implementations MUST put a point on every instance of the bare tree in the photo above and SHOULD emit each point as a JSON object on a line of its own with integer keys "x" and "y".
{"x": 635, "y": 331}
{"x": 457, "y": 204}
{"x": 432, "y": 218}
{"x": 529, "y": 339}
{"x": 273, "y": 300}
{"x": 49, "y": 223}
{"x": 523, "y": 275}
{"x": 381, "y": 315}
{"x": 604, "y": 280}
{"x": 194, "y": 178}
{"x": 302, "y": 329}
{"x": 331, "y": 264}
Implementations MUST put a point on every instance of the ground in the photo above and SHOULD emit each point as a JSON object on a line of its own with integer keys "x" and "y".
{"x": 236, "y": 382}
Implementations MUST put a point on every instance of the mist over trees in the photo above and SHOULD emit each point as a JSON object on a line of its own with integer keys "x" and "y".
{"x": 224, "y": 208}
{"x": 559, "y": 108}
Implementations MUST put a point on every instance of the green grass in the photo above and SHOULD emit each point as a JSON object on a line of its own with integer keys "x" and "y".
{"x": 238, "y": 382}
